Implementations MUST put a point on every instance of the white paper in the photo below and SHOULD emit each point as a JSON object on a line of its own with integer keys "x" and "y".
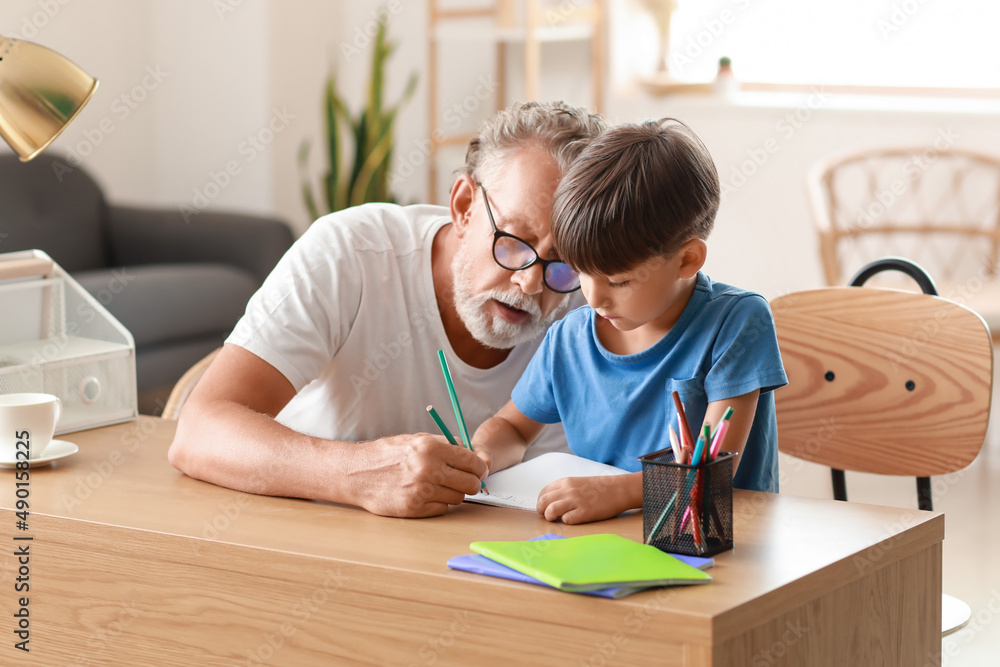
{"x": 519, "y": 485}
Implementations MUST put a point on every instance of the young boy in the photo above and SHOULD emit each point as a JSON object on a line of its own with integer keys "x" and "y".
{"x": 631, "y": 215}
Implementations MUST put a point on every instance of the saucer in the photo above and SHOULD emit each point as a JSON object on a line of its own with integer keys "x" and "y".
{"x": 56, "y": 449}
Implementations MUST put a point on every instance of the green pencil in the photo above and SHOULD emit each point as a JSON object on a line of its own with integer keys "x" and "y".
{"x": 441, "y": 425}
{"x": 663, "y": 517}
{"x": 444, "y": 431}
{"x": 462, "y": 429}
{"x": 454, "y": 401}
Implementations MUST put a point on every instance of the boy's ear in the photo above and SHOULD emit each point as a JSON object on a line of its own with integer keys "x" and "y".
{"x": 460, "y": 201}
{"x": 693, "y": 255}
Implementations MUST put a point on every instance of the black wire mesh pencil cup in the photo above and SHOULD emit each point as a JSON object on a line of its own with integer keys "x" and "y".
{"x": 687, "y": 509}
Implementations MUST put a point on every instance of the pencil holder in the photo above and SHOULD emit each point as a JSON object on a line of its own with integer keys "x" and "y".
{"x": 687, "y": 509}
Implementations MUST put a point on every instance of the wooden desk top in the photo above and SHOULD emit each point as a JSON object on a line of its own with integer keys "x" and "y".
{"x": 787, "y": 548}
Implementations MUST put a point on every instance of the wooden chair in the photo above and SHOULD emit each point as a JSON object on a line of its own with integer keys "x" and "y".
{"x": 179, "y": 394}
{"x": 936, "y": 205}
{"x": 884, "y": 381}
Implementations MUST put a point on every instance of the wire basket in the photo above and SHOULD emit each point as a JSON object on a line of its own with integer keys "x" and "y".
{"x": 687, "y": 509}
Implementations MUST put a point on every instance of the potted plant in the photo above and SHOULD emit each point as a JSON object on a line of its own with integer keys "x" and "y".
{"x": 359, "y": 148}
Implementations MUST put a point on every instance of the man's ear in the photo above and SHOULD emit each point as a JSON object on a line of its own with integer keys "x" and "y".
{"x": 693, "y": 255}
{"x": 461, "y": 199}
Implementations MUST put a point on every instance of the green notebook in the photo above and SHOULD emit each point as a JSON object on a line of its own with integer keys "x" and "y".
{"x": 590, "y": 562}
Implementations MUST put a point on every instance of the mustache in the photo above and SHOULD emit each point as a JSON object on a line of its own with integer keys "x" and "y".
{"x": 515, "y": 299}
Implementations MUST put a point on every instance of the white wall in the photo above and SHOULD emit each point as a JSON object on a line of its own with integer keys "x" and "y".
{"x": 206, "y": 102}
{"x": 211, "y": 113}
{"x": 764, "y": 237}
{"x": 303, "y": 38}
{"x": 110, "y": 39}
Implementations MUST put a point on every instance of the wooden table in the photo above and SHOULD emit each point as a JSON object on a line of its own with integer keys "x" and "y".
{"x": 133, "y": 563}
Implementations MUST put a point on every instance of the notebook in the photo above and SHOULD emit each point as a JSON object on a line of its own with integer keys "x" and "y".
{"x": 592, "y": 562}
{"x": 519, "y": 485}
{"x": 478, "y": 564}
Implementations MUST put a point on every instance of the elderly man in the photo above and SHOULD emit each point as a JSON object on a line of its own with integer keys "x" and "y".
{"x": 320, "y": 392}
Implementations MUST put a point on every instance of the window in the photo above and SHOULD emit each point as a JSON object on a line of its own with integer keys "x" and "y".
{"x": 904, "y": 43}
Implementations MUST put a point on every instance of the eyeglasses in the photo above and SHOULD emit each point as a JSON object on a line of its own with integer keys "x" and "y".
{"x": 515, "y": 254}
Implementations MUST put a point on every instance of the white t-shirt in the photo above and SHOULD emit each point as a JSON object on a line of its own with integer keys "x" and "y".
{"x": 350, "y": 318}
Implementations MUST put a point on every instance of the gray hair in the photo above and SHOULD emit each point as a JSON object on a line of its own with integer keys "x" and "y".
{"x": 562, "y": 130}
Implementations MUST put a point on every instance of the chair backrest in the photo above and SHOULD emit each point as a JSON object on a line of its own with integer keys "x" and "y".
{"x": 179, "y": 394}
{"x": 882, "y": 381}
{"x": 936, "y": 205}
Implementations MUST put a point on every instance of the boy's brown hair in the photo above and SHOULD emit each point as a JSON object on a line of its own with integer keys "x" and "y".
{"x": 636, "y": 192}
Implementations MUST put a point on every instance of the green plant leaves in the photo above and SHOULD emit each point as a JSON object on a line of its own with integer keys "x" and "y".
{"x": 366, "y": 139}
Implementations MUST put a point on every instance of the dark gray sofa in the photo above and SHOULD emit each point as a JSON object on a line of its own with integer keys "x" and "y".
{"x": 179, "y": 286}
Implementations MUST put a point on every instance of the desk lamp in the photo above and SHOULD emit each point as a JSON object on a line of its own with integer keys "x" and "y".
{"x": 41, "y": 92}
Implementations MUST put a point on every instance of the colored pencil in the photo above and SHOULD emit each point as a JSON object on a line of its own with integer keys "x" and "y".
{"x": 447, "y": 433}
{"x": 687, "y": 440}
{"x": 663, "y": 517}
{"x": 441, "y": 425}
{"x": 699, "y": 450}
{"x": 676, "y": 446}
{"x": 717, "y": 442}
{"x": 725, "y": 417}
{"x": 699, "y": 484}
{"x": 706, "y": 434}
{"x": 462, "y": 429}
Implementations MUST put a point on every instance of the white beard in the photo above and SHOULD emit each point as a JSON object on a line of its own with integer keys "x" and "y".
{"x": 492, "y": 330}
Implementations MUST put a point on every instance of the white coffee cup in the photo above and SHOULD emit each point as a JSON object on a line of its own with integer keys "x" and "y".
{"x": 27, "y": 422}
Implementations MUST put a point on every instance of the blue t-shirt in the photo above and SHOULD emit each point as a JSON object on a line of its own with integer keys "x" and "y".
{"x": 615, "y": 408}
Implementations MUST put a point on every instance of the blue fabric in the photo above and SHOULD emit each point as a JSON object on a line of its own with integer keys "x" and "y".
{"x": 616, "y": 408}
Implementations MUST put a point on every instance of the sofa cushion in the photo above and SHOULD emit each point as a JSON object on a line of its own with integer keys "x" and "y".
{"x": 48, "y": 205}
{"x": 171, "y": 302}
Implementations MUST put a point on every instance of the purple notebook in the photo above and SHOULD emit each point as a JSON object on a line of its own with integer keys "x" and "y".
{"x": 483, "y": 565}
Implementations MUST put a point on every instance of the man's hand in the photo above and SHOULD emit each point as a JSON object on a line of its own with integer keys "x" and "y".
{"x": 585, "y": 499}
{"x": 485, "y": 456}
{"x": 416, "y": 475}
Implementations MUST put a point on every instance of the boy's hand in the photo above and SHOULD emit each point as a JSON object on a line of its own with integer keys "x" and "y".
{"x": 585, "y": 499}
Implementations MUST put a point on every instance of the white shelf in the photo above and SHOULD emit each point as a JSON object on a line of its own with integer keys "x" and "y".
{"x": 57, "y": 338}
{"x": 78, "y": 417}
{"x": 487, "y": 34}
{"x": 52, "y": 351}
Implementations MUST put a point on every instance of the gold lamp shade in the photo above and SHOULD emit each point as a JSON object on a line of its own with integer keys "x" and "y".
{"x": 41, "y": 92}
